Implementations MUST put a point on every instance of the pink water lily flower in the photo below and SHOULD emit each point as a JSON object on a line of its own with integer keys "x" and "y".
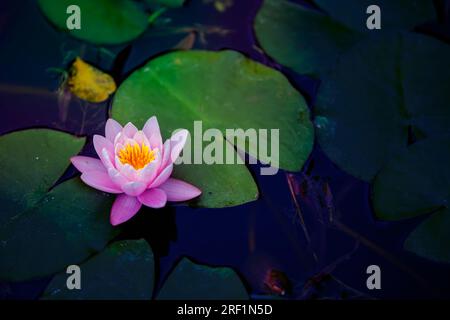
{"x": 137, "y": 166}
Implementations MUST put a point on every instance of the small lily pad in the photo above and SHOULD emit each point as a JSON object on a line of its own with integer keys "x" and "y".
{"x": 107, "y": 22}
{"x": 43, "y": 229}
{"x": 417, "y": 182}
{"x": 191, "y": 281}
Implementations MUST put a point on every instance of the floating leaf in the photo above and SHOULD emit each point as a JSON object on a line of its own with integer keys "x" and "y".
{"x": 89, "y": 83}
{"x": 102, "y": 21}
{"x": 190, "y": 281}
{"x": 43, "y": 230}
{"x": 310, "y": 42}
{"x": 417, "y": 182}
{"x": 378, "y": 90}
{"x": 223, "y": 90}
{"x": 124, "y": 270}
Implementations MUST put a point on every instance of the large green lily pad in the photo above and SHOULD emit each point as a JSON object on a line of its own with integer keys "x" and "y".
{"x": 124, "y": 270}
{"x": 377, "y": 91}
{"x": 106, "y": 22}
{"x": 417, "y": 182}
{"x": 190, "y": 281}
{"x": 224, "y": 90}
{"x": 43, "y": 229}
{"x": 310, "y": 41}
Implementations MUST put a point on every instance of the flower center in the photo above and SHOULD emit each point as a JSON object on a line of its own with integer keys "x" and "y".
{"x": 137, "y": 156}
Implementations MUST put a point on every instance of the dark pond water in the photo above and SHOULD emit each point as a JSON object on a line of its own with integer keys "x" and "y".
{"x": 328, "y": 261}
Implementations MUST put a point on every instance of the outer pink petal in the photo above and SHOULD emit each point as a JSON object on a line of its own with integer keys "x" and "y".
{"x": 178, "y": 190}
{"x": 101, "y": 143}
{"x": 166, "y": 155}
{"x": 134, "y": 188}
{"x": 124, "y": 208}
{"x": 129, "y": 130}
{"x": 153, "y": 198}
{"x": 162, "y": 177}
{"x": 86, "y": 164}
{"x": 100, "y": 181}
{"x": 106, "y": 160}
{"x": 177, "y": 142}
{"x": 153, "y": 133}
{"x": 112, "y": 129}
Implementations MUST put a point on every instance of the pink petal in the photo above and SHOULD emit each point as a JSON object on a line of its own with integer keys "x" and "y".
{"x": 149, "y": 172}
{"x": 126, "y": 170}
{"x": 116, "y": 177}
{"x": 177, "y": 142}
{"x": 106, "y": 160}
{"x": 100, "y": 181}
{"x": 153, "y": 198}
{"x": 112, "y": 129}
{"x": 166, "y": 154}
{"x": 129, "y": 130}
{"x": 178, "y": 190}
{"x": 124, "y": 208}
{"x": 120, "y": 139}
{"x": 101, "y": 143}
{"x": 162, "y": 177}
{"x": 134, "y": 188}
{"x": 153, "y": 133}
{"x": 140, "y": 138}
{"x": 85, "y": 164}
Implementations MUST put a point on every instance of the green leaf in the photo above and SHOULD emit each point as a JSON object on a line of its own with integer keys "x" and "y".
{"x": 224, "y": 90}
{"x": 310, "y": 41}
{"x": 32, "y": 161}
{"x": 377, "y": 90}
{"x": 43, "y": 231}
{"x": 105, "y": 22}
{"x": 307, "y": 41}
{"x": 417, "y": 182}
{"x": 124, "y": 270}
{"x": 190, "y": 281}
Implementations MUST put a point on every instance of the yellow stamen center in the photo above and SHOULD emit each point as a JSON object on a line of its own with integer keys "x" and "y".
{"x": 137, "y": 156}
